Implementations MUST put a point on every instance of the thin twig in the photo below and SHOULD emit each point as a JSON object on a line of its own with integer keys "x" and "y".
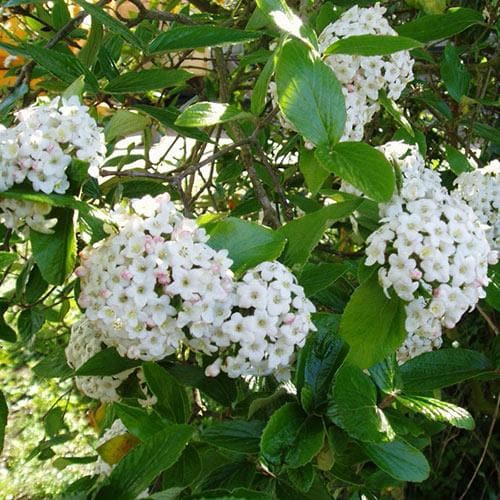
{"x": 486, "y": 444}
{"x": 488, "y": 320}
{"x": 270, "y": 215}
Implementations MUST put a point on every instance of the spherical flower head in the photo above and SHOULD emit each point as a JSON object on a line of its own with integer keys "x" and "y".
{"x": 47, "y": 138}
{"x": 155, "y": 283}
{"x": 84, "y": 343}
{"x": 270, "y": 320}
{"x": 432, "y": 250}
{"x": 480, "y": 189}
{"x": 363, "y": 77}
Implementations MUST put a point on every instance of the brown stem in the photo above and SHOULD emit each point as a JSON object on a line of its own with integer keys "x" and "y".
{"x": 270, "y": 215}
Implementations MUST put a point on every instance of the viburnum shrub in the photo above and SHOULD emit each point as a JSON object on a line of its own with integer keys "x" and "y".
{"x": 259, "y": 238}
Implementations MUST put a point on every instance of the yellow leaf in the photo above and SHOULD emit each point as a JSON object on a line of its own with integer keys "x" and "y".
{"x": 116, "y": 448}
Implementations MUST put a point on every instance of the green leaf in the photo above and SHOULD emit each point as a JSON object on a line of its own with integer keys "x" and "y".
{"x": 113, "y": 24}
{"x": 4, "y": 411}
{"x": 36, "y": 286}
{"x": 168, "y": 494}
{"x": 53, "y": 365}
{"x": 259, "y": 91}
{"x": 248, "y": 243}
{"x": 89, "y": 52}
{"x": 185, "y": 471}
{"x": 290, "y": 438}
{"x": 167, "y": 117}
{"x": 54, "y": 421}
{"x": 304, "y": 233}
{"x": 438, "y": 369}
{"x": 172, "y": 398}
{"x": 105, "y": 363}
{"x": 487, "y": 132}
{"x": 453, "y": 73}
{"x": 438, "y": 410}
{"x": 61, "y": 463}
{"x": 362, "y": 166}
{"x": 457, "y": 160}
{"x": 60, "y": 14}
{"x": 318, "y": 361}
{"x": 302, "y": 478}
{"x": 399, "y": 459}
{"x": 76, "y": 89}
{"x": 29, "y": 322}
{"x": 6, "y": 259}
{"x": 372, "y": 45}
{"x": 236, "y": 435}
{"x": 139, "y": 422}
{"x": 309, "y": 94}
{"x": 146, "y": 80}
{"x": 55, "y": 254}
{"x": 438, "y": 26}
{"x": 286, "y": 20}
{"x": 387, "y": 375}
{"x": 125, "y": 123}
{"x": 206, "y": 114}
{"x": 66, "y": 67}
{"x": 317, "y": 277}
{"x": 372, "y": 324}
{"x": 140, "y": 466}
{"x": 314, "y": 173}
{"x": 397, "y": 113}
{"x": 6, "y": 332}
{"x": 198, "y": 37}
{"x": 353, "y": 406}
{"x": 493, "y": 289}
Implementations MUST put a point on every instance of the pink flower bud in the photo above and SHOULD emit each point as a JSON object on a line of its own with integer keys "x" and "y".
{"x": 105, "y": 293}
{"x": 126, "y": 275}
{"x": 83, "y": 301}
{"x": 162, "y": 278}
{"x": 416, "y": 274}
{"x": 80, "y": 271}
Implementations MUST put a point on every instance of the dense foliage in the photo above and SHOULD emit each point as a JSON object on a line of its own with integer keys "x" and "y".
{"x": 257, "y": 241}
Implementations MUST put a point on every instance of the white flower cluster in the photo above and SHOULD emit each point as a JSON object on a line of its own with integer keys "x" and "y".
{"x": 84, "y": 343}
{"x": 273, "y": 318}
{"x": 433, "y": 252}
{"x": 17, "y": 214}
{"x": 152, "y": 279}
{"x": 362, "y": 77}
{"x": 45, "y": 140}
{"x": 155, "y": 286}
{"x": 39, "y": 149}
{"x": 480, "y": 189}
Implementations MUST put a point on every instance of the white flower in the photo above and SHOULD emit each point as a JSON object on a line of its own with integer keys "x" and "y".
{"x": 480, "y": 189}
{"x": 272, "y": 319}
{"x": 364, "y": 77}
{"x": 433, "y": 252}
{"x": 41, "y": 147}
{"x": 152, "y": 291}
